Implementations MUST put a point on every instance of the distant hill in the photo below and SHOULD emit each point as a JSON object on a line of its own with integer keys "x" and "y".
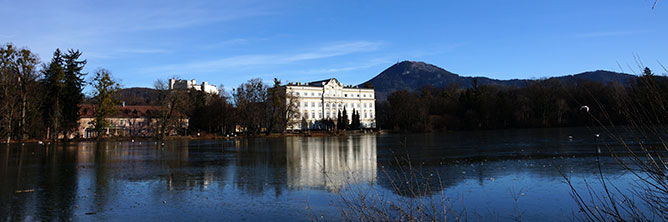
{"x": 139, "y": 96}
{"x": 411, "y": 75}
{"x": 601, "y": 76}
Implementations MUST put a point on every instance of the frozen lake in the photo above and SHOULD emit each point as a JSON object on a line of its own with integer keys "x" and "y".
{"x": 489, "y": 175}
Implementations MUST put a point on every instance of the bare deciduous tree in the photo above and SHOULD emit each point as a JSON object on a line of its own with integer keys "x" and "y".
{"x": 250, "y": 100}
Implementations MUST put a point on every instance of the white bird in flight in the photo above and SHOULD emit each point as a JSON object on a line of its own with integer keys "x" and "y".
{"x": 586, "y": 108}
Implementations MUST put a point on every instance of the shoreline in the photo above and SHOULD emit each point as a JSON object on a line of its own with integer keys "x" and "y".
{"x": 206, "y": 137}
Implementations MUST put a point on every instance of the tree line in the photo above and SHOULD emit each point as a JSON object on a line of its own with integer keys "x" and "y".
{"x": 253, "y": 108}
{"x": 543, "y": 103}
{"x": 41, "y": 101}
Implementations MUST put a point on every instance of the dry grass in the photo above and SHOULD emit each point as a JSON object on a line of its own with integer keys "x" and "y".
{"x": 641, "y": 148}
{"x": 412, "y": 198}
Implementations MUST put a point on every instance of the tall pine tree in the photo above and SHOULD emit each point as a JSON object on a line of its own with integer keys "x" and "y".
{"x": 72, "y": 91}
{"x": 63, "y": 84}
{"x": 344, "y": 119}
{"x": 355, "y": 120}
{"x": 339, "y": 123}
{"x": 53, "y": 84}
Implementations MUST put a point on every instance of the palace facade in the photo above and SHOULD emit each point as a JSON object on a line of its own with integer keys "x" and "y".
{"x": 323, "y": 100}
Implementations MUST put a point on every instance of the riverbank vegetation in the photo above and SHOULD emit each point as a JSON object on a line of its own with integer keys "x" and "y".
{"x": 543, "y": 103}
{"x": 43, "y": 102}
{"x": 642, "y": 151}
{"x": 39, "y": 103}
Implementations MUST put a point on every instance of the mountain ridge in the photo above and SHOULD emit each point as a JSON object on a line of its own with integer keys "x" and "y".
{"x": 412, "y": 75}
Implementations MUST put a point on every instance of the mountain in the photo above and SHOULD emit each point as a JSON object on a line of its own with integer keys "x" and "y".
{"x": 140, "y": 96}
{"x": 411, "y": 75}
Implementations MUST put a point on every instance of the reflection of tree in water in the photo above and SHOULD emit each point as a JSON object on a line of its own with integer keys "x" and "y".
{"x": 427, "y": 177}
{"x": 101, "y": 169}
{"x": 58, "y": 183}
{"x": 485, "y": 155}
{"x": 14, "y": 205}
{"x": 260, "y": 165}
{"x": 179, "y": 165}
{"x": 190, "y": 164}
{"x": 39, "y": 182}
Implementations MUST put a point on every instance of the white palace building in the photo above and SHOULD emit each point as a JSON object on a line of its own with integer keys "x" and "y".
{"x": 322, "y": 100}
{"x": 192, "y": 84}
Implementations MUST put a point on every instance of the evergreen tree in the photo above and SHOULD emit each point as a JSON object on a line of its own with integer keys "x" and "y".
{"x": 197, "y": 109}
{"x": 344, "y": 119}
{"x": 355, "y": 124}
{"x": 104, "y": 99}
{"x": 53, "y": 84}
{"x": 338, "y": 120}
{"x": 72, "y": 94}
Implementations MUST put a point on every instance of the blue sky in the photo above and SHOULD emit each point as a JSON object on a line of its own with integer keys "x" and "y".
{"x": 229, "y": 42}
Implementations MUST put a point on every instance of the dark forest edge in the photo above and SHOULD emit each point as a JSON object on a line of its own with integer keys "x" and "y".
{"x": 542, "y": 103}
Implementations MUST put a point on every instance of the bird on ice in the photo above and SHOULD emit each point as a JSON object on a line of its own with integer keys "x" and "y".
{"x": 585, "y": 108}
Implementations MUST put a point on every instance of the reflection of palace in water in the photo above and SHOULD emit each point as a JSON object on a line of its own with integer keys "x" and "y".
{"x": 330, "y": 162}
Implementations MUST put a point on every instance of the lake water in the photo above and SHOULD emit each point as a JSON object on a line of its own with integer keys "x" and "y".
{"x": 488, "y": 175}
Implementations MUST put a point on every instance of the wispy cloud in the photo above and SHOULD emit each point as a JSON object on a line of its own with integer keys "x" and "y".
{"x": 607, "y": 34}
{"x": 92, "y": 26}
{"x": 118, "y": 53}
{"x": 346, "y": 68}
{"x": 225, "y": 43}
{"x": 327, "y": 51}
